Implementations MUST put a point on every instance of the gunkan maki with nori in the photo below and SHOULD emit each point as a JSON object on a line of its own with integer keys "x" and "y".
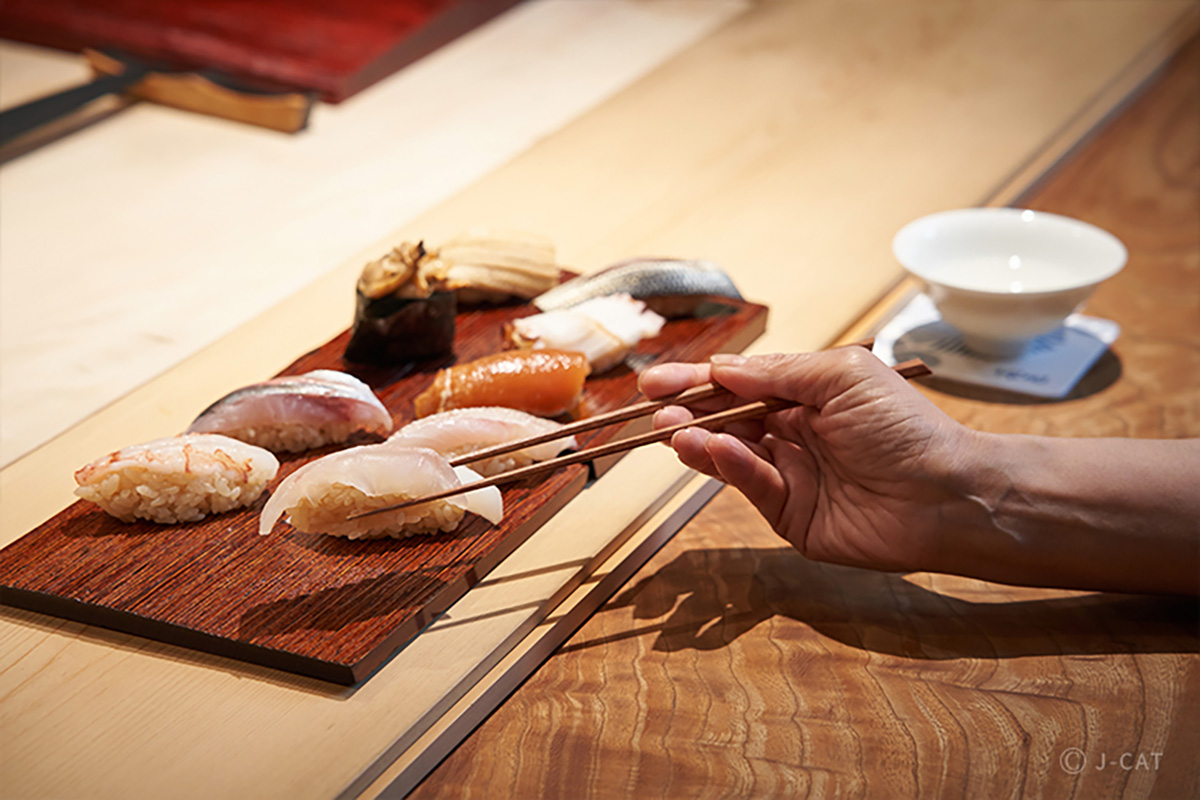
{"x": 403, "y": 312}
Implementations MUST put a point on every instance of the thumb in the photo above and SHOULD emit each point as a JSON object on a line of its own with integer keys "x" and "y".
{"x": 811, "y": 379}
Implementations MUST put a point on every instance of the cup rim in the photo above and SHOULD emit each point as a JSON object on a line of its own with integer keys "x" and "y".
{"x": 911, "y": 234}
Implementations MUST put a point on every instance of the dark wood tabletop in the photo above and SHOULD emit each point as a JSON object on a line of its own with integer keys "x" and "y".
{"x": 730, "y": 666}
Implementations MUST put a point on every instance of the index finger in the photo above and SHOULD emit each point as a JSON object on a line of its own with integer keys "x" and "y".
{"x": 667, "y": 379}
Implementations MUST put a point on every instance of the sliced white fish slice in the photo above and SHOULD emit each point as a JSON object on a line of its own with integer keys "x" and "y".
{"x": 626, "y": 318}
{"x": 605, "y": 329}
{"x": 320, "y": 496}
{"x": 465, "y": 430}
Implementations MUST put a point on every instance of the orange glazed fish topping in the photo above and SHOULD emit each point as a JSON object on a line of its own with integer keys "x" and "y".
{"x": 542, "y": 382}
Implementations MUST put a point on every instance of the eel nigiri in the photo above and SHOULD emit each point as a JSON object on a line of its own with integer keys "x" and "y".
{"x": 297, "y": 412}
{"x": 605, "y": 329}
{"x": 320, "y": 496}
{"x": 542, "y": 382}
{"x": 177, "y": 479}
{"x": 465, "y": 430}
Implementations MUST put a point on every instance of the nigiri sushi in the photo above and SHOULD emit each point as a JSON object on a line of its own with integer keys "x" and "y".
{"x": 465, "y": 430}
{"x": 605, "y": 329}
{"x": 403, "y": 311}
{"x": 177, "y": 479}
{"x": 673, "y": 287}
{"x": 542, "y": 382}
{"x": 495, "y": 266}
{"x": 298, "y": 412}
{"x": 320, "y": 496}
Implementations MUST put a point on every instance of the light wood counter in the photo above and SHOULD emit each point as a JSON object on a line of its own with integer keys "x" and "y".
{"x": 788, "y": 145}
{"x": 162, "y": 231}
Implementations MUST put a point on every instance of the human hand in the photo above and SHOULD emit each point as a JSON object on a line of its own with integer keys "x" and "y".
{"x": 855, "y": 475}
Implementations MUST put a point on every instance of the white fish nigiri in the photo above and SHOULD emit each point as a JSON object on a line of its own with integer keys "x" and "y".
{"x": 177, "y": 479}
{"x": 604, "y": 329}
{"x": 297, "y": 412}
{"x": 320, "y": 496}
{"x": 465, "y": 430}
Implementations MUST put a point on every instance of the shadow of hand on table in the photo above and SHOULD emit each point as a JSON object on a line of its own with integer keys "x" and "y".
{"x": 705, "y": 599}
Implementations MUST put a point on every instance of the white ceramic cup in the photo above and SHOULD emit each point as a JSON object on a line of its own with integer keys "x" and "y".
{"x": 1003, "y": 276}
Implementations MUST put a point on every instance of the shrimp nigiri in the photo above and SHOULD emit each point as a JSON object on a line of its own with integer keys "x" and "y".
{"x": 177, "y": 479}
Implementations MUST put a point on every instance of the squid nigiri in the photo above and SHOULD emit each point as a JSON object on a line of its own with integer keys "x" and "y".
{"x": 298, "y": 412}
{"x": 542, "y": 382}
{"x": 465, "y": 430}
{"x": 177, "y": 479}
{"x": 320, "y": 496}
{"x": 605, "y": 329}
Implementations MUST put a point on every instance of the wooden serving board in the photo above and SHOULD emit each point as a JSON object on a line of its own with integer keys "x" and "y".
{"x": 334, "y": 49}
{"x": 317, "y": 605}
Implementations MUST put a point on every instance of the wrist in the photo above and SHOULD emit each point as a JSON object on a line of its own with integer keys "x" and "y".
{"x": 977, "y": 481}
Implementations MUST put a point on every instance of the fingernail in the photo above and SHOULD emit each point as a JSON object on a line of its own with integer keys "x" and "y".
{"x": 698, "y": 435}
{"x": 727, "y": 359}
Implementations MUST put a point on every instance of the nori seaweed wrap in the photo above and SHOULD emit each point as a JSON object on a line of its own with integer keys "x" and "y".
{"x": 402, "y": 311}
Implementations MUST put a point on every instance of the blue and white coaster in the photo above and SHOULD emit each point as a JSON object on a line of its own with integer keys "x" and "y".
{"x": 1049, "y": 367}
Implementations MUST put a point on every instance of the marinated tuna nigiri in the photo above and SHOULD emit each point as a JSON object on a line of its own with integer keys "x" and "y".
{"x": 297, "y": 412}
{"x": 605, "y": 329}
{"x": 177, "y": 479}
{"x": 542, "y": 382}
{"x": 466, "y": 430}
{"x": 320, "y": 496}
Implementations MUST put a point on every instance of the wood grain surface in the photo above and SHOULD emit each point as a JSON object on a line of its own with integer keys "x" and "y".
{"x": 272, "y": 45}
{"x": 318, "y": 605}
{"x": 731, "y": 666}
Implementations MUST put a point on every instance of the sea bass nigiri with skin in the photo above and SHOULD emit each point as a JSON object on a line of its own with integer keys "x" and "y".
{"x": 466, "y": 430}
{"x": 177, "y": 479}
{"x": 671, "y": 286}
{"x": 297, "y": 412}
{"x": 542, "y": 382}
{"x": 321, "y": 495}
{"x": 605, "y": 329}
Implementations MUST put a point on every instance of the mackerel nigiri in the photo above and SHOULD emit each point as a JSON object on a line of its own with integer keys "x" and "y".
{"x": 320, "y": 496}
{"x": 297, "y": 412}
{"x": 542, "y": 382}
{"x": 673, "y": 287}
{"x": 466, "y": 430}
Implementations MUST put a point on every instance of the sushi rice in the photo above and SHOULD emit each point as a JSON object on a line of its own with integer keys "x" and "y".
{"x": 327, "y": 514}
{"x": 297, "y": 437}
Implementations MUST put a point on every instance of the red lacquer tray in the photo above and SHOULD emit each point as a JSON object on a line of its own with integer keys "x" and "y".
{"x": 317, "y": 605}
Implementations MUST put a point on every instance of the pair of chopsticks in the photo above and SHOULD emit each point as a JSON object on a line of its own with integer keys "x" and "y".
{"x": 914, "y": 368}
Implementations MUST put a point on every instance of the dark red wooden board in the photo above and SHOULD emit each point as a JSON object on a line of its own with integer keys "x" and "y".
{"x": 317, "y": 605}
{"x": 335, "y": 49}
